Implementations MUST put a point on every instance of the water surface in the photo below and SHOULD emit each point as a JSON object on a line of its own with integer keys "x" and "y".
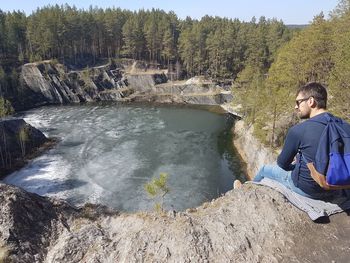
{"x": 107, "y": 152}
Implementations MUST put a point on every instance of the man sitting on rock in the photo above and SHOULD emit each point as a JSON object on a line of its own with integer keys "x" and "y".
{"x": 292, "y": 171}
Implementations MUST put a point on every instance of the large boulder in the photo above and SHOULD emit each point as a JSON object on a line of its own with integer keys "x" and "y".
{"x": 18, "y": 141}
{"x": 251, "y": 224}
{"x": 28, "y": 224}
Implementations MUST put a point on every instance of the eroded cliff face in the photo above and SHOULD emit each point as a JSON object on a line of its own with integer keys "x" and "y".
{"x": 254, "y": 153}
{"x": 189, "y": 92}
{"x": 45, "y": 83}
{"x": 19, "y": 141}
{"x": 251, "y": 224}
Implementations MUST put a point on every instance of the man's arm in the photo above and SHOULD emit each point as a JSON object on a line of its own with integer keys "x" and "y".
{"x": 290, "y": 149}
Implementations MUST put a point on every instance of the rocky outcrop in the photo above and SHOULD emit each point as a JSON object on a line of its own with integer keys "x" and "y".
{"x": 29, "y": 223}
{"x": 48, "y": 83}
{"x": 253, "y": 152}
{"x": 251, "y": 224}
{"x": 188, "y": 92}
{"x": 19, "y": 141}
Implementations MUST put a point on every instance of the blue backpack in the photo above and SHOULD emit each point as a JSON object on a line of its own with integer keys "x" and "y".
{"x": 331, "y": 168}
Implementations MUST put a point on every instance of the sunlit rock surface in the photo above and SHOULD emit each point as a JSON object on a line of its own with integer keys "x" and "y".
{"x": 252, "y": 151}
{"x": 47, "y": 82}
{"x": 251, "y": 224}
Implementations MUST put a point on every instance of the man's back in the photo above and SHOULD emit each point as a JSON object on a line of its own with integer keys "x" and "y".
{"x": 304, "y": 138}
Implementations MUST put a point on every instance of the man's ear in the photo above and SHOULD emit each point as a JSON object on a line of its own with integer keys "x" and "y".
{"x": 313, "y": 103}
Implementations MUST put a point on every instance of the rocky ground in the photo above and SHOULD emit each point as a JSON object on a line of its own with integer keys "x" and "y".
{"x": 251, "y": 224}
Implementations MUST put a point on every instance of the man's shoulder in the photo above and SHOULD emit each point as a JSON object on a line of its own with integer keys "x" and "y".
{"x": 299, "y": 127}
{"x": 316, "y": 125}
{"x": 319, "y": 120}
{"x": 327, "y": 118}
{"x": 307, "y": 126}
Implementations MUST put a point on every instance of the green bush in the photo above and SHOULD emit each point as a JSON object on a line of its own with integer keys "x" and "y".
{"x": 157, "y": 189}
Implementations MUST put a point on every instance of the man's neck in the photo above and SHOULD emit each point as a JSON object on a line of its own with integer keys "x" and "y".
{"x": 315, "y": 112}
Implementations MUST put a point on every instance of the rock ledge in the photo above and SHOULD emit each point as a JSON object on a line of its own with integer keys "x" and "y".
{"x": 251, "y": 224}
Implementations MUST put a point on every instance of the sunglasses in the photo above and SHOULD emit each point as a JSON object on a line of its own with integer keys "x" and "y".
{"x": 298, "y": 102}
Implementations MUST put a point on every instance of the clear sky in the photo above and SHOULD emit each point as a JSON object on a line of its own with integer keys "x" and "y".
{"x": 290, "y": 11}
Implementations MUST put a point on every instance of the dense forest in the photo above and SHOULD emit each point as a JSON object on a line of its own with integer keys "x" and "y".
{"x": 216, "y": 45}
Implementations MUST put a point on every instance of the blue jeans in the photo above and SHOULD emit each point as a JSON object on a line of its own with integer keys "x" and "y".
{"x": 276, "y": 173}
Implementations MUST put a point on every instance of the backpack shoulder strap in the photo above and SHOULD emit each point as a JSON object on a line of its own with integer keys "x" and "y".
{"x": 320, "y": 179}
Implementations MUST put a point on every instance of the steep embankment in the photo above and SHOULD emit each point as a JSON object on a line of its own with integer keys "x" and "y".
{"x": 254, "y": 154}
{"x": 19, "y": 142}
{"x": 48, "y": 83}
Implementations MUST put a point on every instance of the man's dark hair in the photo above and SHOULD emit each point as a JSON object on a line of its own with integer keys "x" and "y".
{"x": 317, "y": 91}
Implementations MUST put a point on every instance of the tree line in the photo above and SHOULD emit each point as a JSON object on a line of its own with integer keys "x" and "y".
{"x": 320, "y": 52}
{"x": 216, "y": 46}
